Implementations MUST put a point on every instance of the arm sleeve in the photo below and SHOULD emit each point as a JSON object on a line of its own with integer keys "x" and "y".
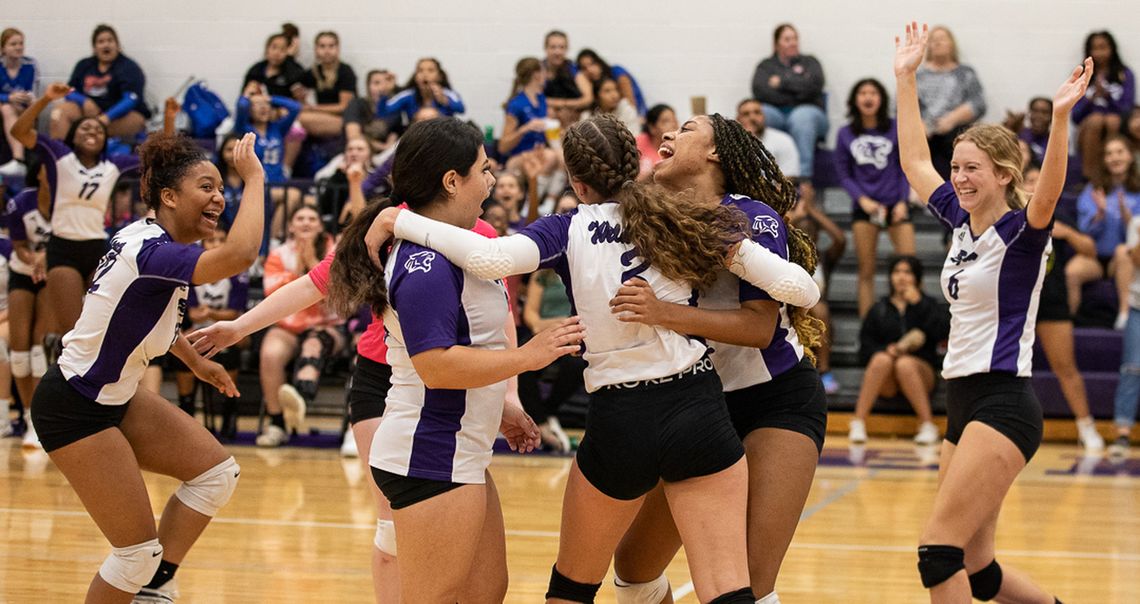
{"x": 844, "y": 166}
{"x": 387, "y": 106}
{"x": 131, "y": 85}
{"x": 972, "y": 90}
{"x": 169, "y": 260}
{"x": 485, "y": 258}
{"x": 1083, "y": 107}
{"x": 427, "y": 303}
{"x": 785, "y": 281}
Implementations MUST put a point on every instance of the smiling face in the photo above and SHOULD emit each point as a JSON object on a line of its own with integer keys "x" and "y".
{"x": 90, "y": 137}
{"x": 685, "y": 153}
{"x": 1040, "y": 116}
{"x": 1117, "y": 158}
{"x": 975, "y": 178}
{"x": 305, "y": 225}
{"x": 196, "y": 201}
{"x": 750, "y": 114}
{"x": 106, "y": 47}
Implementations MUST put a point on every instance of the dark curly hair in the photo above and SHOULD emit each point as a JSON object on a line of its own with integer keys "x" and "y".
{"x": 165, "y": 160}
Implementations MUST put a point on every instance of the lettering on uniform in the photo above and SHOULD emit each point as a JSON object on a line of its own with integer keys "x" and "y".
{"x": 419, "y": 261}
{"x": 963, "y": 257}
{"x": 766, "y": 224}
{"x": 604, "y": 232}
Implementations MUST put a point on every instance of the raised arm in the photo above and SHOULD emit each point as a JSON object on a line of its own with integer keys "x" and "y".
{"x": 914, "y": 152}
{"x": 244, "y": 240}
{"x": 24, "y": 128}
{"x": 1039, "y": 213}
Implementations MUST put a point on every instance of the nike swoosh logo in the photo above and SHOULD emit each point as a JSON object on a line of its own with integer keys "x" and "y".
{"x": 156, "y": 554}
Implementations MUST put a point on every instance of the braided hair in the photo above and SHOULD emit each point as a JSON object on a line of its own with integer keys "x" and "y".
{"x": 749, "y": 169}
{"x": 684, "y": 240}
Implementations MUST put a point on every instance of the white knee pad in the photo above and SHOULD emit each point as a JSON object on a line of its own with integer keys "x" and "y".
{"x": 771, "y": 598}
{"x": 21, "y": 363}
{"x": 129, "y": 568}
{"x": 385, "y": 539}
{"x": 39, "y": 361}
{"x": 208, "y": 492}
{"x": 641, "y": 593}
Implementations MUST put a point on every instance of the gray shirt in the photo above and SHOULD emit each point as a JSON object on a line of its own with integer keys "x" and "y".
{"x": 940, "y": 92}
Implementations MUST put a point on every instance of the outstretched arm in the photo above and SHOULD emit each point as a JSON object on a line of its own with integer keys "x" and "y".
{"x": 1056, "y": 162}
{"x": 914, "y": 152}
{"x": 785, "y": 281}
{"x": 24, "y": 128}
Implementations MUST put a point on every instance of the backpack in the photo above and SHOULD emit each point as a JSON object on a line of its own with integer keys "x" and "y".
{"x": 205, "y": 110}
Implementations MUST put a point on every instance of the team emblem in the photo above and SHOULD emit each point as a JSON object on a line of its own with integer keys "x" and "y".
{"x": 419, "y": 261}
{"x": 766, "y": 224}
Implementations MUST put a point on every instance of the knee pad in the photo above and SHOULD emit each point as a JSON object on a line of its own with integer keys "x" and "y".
{"x": 307, "y": 388}
{"x": 385, "y": 539}
{"x": 771, "y": 598}
{"x": 129, "y": 568}
{"x": 651, "y": 592}
{"x": 936, "y": 563}
{"x": 39, "y": 361}
{"x": 21, "y": 363}
{"x": 564, "y": 588}
{"x": 743, "y": 595}
{"x": 986, "y": 583}
{"x": 209, "y": 491}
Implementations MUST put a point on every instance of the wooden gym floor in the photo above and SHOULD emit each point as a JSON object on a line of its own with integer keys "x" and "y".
{"x": 299, "y": 528}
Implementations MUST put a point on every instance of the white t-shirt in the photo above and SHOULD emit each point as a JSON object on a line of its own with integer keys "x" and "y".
{"x": 783, "y": 148}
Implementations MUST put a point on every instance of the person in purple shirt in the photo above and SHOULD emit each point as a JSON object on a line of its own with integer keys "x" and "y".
{"x": 108, "y": 86}
{"x": 19, "y": 79}
{"x": 1032, "y": 127}
{"x": 1106, "y": 103}
{"x": 867, "y": 162}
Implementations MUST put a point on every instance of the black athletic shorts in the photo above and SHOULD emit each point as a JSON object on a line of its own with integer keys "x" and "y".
{"x": 675, "y": 429}
{"x": 403, "y": 491}
{"x": 858, "y": 215}
{"x": 83, "y": 256}
{"x": 369, "y": 390}
{"x": 24, "y": 282}
{"x": 62, "y": 416}
{"x": 794, "y": 400}
{"x": 1053, "y": 305}
{"x": 1001, "y": 401}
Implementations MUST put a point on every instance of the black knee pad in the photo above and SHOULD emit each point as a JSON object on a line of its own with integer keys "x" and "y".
{"x": 568, "y": 589}
{"x": 740, "y": 596}
{"x": 307, "y": 388}
{"x": 936, "y": 563}
{"x": 986, "y": 583}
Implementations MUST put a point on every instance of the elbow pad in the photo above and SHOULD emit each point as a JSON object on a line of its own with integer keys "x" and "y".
{"x": 483, "y": 257}
{"x": 785, "y": 281}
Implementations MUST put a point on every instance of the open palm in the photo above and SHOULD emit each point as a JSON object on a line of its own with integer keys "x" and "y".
{"x": 910, "y": 51}
{"x": 1074, "y": 88}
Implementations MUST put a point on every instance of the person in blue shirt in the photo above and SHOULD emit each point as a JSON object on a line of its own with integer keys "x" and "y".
{"x": 524, "y": 125}
{"x": 270, "y": 118}
{"x": 597, "y": 69}
{"x": 108, "y": 86}
{"x": 428, "y": 87}
{"x": 19, "y": 79}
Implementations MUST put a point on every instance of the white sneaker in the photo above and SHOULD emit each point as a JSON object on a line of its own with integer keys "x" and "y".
{"x": 554, "y": 436}
{"x": 293, "y": 406}
{"x": 1088, "y": 435}
{"x": 857, "y": 433}
{"x": 272, "y": 436}
{"x": 13, "y": 168}
{"x": 348, "y": 447}
{"x": 164, "y": 594}
{"x": 31, "y": 441}
{"x": 927, "y": 434}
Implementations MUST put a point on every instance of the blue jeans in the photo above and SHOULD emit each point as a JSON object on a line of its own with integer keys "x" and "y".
{"x": 1128, "y": 389}
{"x": 806, "y": 123}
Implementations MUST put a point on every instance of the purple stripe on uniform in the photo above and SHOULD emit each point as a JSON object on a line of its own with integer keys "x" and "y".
{"x": 779, "y": 356}
{"x": 1017, "y": 278}
{"x": 141, "y": 306}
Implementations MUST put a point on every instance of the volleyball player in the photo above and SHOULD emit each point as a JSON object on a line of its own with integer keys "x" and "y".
{"x": 992, "y": 279}
{"x": 98, "y": 427}
{"x": 657, "y": 410}
{"x": 774, "y": 393}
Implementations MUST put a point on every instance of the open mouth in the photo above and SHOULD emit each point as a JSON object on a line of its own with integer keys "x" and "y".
{"x": 665, "y": 152}
{"x": 212, "y": 216}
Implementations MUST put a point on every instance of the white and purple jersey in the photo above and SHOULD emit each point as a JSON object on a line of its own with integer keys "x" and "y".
{"x": 80, "y": 194}
{"x": 587, "y": 249}
{"x": 743, "y": 366}
{"x": 232, "y": 294}
{"x": 25, "y": 223}
{"x": 130, "y": 313}
{"x": 433, "y": 433}
{"x": 993, "y": 284}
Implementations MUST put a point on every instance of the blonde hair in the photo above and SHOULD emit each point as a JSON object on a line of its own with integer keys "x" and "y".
{"x": 953, "y": 42}
{"x": 1000, "y": 145}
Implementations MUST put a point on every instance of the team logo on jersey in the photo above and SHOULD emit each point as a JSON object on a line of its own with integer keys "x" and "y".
{"x": 419, "y": 261}
{"x": 963, "y": 257}
{"x": 766, "y": 224}
{"x": 872, "y": 150}
{"x": 604, "y": 232}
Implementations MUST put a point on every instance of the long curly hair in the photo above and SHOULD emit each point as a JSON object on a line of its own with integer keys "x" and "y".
{"x": 683, "y": 240}
{"x": 749, "y": 169}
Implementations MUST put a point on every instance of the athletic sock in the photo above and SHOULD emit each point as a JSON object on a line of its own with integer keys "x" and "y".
{"x": 277, "y": 419}
{"x": 164, "y": 573}
{"x": 186, "y": 403}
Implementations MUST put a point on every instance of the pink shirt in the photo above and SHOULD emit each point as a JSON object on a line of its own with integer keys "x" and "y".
{"x": 649, "y": 155}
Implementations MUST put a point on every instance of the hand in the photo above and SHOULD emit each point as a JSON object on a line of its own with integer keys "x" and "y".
{"x": 548, "y": 345}
{"x": 517, "y": 427}
{"x": 355, "y": 174}
{"x": 1073, "y": 89}
{"x": 211, "y": 340}
{"x": 199, "y": 314}
{"x": 216, "y": 376}
{"x": 944, "y": 125}
{"x": 39, "y": 269}
{"x": 252, "y": 88}
{"x": 21, "y": 98}
{"x": 171, "y": 108}
{"x": 57, "y": 90}
{"x": 1100, "y": 199}
{"x": 299, "y": 92}
{"x": 437, "y": 93}
{"x": 911, "y": 50}
{"x": 635, "y": 302}
{"x": 911, "y": 294}
{"x": 534, "y": 161}
{"x": 900, "y": 212}
{"x": 1014, "y": 120}
{"x": 536, "y": 125}
{"x": 893, "y": 350}
{"x": 868, "y": 205}
{"x": 245, "y": 159}
{"x": 382, "y": 229}
{"x": 774, "y": 81}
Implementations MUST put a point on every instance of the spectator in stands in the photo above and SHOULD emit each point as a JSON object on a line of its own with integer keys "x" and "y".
{"x": 1032, "y": 127}
{"x": 608, "y": 99}
{"x": 790, "y": 86}
{"x": 270, "y": 118}
{"x": 333, "y": 178}
{"x": 360, "y": 118}
{"x": 1133, "y": 129}
{"x": 867, "y": 163}
{"x": 312, "y": 335}
{"x": 596, "y": 68}
{"x": 511, "y": 192}
{"x": 899, "y": 344}
{"x": 495, "y": 214}
{"x": 107, "y": 86}
{"x": 278, "y": 72}
{"x": 950, "y": 97}
{"x": 333, "y": 84}
{"x": 1107, "y": 101}
{"x": 658, "y": 120}
{"x": 1104, "y": 209}
{"x": 292, "y": 41}
{"x": 564, "y": 85}
{"x": 19, "y": 82}
{"x": 524, "y": 125}
{"x": 750, "y": 114}
{"x": 1128, "y": 388}
{"x": 428, "y": 87}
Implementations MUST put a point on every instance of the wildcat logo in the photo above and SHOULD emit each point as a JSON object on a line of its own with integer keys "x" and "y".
{"x": 419, "y": 261}
{"x": 604, "y": 232}
{"x": 963, "y": 257}
{"x": 766, "y": 224}
{"x": 871, "y": 150}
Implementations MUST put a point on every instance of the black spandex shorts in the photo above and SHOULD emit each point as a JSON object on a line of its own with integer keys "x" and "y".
{"x": 403, "y": 491}
{"x": 1053, "y": 305}
{"x": 1001, "y": 401}
{"x": 83, "y": 256}
{"x": 858, "y": 215}
{"x": 24, "y": 282}
{"x": 673, "y": 430}
{"x": 794, "y": 400}
{"x": 369, "y": 390}
{"x": 62, "y": 416}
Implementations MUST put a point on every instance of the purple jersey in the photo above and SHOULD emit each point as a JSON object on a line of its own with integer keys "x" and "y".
{"x": 868, "y": 164}
{"x": 25, "y": 223}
